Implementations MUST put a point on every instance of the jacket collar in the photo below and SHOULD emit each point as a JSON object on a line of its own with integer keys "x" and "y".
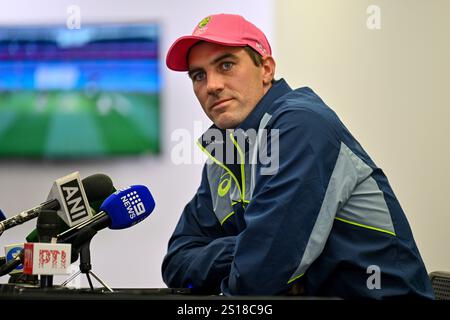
{"x": 278, "y": 89}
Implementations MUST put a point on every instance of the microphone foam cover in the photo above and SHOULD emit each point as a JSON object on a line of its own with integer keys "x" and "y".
{"x": 98, "y": 187}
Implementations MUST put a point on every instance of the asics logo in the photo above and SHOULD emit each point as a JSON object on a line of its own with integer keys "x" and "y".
{"x": 224, "y": 185}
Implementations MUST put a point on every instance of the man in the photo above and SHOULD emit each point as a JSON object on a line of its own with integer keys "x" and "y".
{"x": 289, "y": 202}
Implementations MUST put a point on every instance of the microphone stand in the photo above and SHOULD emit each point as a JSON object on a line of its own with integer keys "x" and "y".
{"x": 85, "y": 260}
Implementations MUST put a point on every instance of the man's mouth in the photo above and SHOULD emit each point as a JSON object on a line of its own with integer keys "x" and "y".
{"x": 219, "y": 102}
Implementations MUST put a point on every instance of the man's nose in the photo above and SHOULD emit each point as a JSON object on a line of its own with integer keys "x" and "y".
{"x": 214, "y": 83}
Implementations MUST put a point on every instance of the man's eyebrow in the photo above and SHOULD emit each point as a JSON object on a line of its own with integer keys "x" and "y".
{"x": 224, "y": 56}
{"x": 216, "y": 60}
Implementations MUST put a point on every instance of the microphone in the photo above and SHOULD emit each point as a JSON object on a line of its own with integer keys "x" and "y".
{"x": 46, "y": 258}
{"x": 97, "y": 187}
{"x": 122, "y": 209}
{"x": 11, "y": 251}
{"x": 2, "y": 215}
{"x": 17, "y": 276}
{"x": 9, "y": 266}
{"x": 67, "y": 196}
{"x": 47, "y": 226}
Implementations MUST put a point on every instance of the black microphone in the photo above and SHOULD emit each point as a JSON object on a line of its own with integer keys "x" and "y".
{"x": 47, "y": 227}
{"x": 12, "y": 264}
{"x": 27, "y": 215}
{"x": 97, "y": 187}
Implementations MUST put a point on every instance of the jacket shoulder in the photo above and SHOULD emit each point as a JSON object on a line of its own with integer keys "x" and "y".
{"x": 303, "y": 107}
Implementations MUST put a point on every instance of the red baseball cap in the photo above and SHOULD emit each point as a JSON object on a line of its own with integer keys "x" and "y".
{"x": 226, "y": 29}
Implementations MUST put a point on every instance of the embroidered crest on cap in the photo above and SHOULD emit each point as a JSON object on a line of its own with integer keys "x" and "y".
{"x": 204, "y": 22}
{"x": 201, "y": 27}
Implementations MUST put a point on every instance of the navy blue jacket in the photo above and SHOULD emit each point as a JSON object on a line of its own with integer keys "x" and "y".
{"x": 299, "y": 202}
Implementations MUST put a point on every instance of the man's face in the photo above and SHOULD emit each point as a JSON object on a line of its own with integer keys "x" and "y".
{"x": 226, "y": 82}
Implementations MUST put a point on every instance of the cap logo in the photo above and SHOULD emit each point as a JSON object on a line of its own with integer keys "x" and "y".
{"x": 204, "y": 22}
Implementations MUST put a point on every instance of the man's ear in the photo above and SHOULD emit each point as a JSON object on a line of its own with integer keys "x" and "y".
{"x": 268, "y": 69}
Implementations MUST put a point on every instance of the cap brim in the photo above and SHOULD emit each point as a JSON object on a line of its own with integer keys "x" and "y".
{"x": 176, "y": 58}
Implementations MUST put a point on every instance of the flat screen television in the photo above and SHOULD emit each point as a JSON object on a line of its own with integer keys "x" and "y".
{"x": 79, "y": 93}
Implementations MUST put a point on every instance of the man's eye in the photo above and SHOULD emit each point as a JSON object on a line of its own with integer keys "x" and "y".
{"x": 227, "y": 66}
{"x": 199, "y": 76}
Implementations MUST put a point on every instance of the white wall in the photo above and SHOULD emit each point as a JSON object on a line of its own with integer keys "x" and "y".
{"x": 390, "y": 87}
{"x": 131, "y": 257}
